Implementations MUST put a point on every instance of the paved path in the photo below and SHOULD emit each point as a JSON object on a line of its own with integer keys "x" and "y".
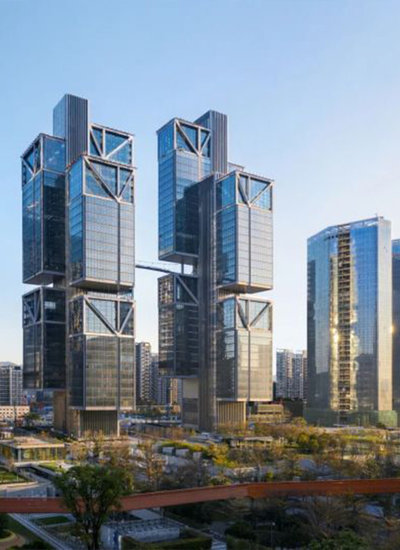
{"x": 26, "y": 522}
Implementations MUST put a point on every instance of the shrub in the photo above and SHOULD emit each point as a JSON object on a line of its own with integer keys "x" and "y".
{"x": 3, "y": 525}
{"x": 241, "y": 530}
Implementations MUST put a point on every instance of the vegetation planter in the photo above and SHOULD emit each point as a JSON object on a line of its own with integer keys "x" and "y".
{"x": 8, "y": 536}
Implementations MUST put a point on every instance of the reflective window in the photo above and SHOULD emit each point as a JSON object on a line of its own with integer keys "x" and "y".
{"x": 226, "y": 313}
{"x": 53, "y": 222}
{"x": 93, "y": 185}
{"x": 113, "y": 141}
{"x": 226, "y": 191}
{"x": 54, "y": 154}
{"x": 191, "y": 133}
{"x": 98, "y": 136}
{"x": 108, "y": 175}
{"x": 75, "y": 179}
{"x": 123, "y": 154}
{"x": 94, "y": 150}
{"x": 226, "y": 245}
{"x": 165, "y": 140}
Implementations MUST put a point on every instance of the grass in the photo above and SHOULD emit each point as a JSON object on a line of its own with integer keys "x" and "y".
{"x": 52, "y": 466}
{"x": 52, "y": 520}
{"x": 10, "y": 477}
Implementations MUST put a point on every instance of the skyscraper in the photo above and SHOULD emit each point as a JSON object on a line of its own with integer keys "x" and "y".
{"x": 396, "y": 323}
{"x": 349, "y": 323}
{"x": 291, "y": 374}
{"x": 78, "y": 244}
{"x": 145, "y": 382}
{"x": 10, "y": 384}
{"x": 215, "y": 219}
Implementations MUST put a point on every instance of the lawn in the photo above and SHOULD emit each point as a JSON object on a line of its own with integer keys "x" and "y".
{"x": 10, "y": 477}
{"x": 52, "y": 466}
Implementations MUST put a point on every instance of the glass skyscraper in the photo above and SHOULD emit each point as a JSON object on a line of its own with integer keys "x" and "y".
{"x": 350, "y": 323}
{"x": 78, "y": 243}
{"x": 396, "y": 323}
{"x": 215, "y": 219}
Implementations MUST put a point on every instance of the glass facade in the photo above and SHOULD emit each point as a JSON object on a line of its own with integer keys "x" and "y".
{"x": 244, "y": 349}
{"x": 183, "y": 160}
{"x": 178, "y": 325}
{"x": 43, "y": 210}
{"x": 78, "y": 235}
{"x": 220, "y": 224}
{"x": 101, "y": 256}
{"x": 244, "y": 232}
{"x": 101, "y": 223}
{"x": 396, "y": 322}
{"x": 349, "y": 317}
{"x": 44, "y": 339}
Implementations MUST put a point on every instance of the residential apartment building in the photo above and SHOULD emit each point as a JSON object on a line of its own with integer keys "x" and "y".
{"x": 10, "y": 384}
{"x": 144, "y": 374}
{"x": 291, "y": 374}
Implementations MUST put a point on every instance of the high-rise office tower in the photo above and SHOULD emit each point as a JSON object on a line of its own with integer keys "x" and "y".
{"x": 349, "y": 323}
{"x": 10, "y": 384}
{"x": 291, "y": 374}
{"x": 78, "y": 244}
{"x": 215, "y": 219}
{"x": 144, "y": 374}
{"x": 396, "y": 323}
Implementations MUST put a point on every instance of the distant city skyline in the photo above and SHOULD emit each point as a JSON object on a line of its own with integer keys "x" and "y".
{"x": 319, "y": 92}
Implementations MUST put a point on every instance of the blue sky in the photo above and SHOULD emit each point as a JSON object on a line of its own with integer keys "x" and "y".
{"x": 311, "y": 88}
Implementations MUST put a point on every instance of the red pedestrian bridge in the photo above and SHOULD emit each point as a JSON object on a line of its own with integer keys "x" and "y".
{"x": 220, "y": 492}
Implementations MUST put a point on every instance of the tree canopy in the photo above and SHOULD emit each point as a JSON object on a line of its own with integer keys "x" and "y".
{"x": 91, "y": 492}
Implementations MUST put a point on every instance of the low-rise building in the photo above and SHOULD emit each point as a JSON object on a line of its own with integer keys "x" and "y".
{"x": 268, "y": 413}
{"x": 25, "y": 450}
{"x": 13, "y": 413}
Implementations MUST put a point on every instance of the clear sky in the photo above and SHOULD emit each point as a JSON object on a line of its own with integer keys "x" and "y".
{"x": 311, "y": 88}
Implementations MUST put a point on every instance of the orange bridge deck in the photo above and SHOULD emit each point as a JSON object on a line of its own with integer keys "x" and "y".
{"x": 222, "y": 492}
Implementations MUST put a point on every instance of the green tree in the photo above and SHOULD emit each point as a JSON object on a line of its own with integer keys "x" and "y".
{"x": 91, "y": 492}
{"x": 344, "y": 540}
{"x": 30, "y": 418}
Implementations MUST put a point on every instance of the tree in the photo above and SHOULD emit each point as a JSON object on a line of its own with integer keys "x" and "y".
{"x": 91, "y": 492}
{"x": 194, "y": 473}
{"x": 30, "y": 418}
{"x": 344, "y": 540}
{"x": 327, "y": 516}
{"x": 150, "y": 465}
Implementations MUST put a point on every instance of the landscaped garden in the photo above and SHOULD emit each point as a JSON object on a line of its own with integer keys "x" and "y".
{"x": 189, "y": 540}
{"x": 10, "y": 477}
{"x": 52, "y": 466}
{"x": 29, "y": 539}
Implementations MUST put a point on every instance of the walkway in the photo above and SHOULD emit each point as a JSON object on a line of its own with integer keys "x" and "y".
{"x": 160, "y": 499}
{"x": 31, "y": 526}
